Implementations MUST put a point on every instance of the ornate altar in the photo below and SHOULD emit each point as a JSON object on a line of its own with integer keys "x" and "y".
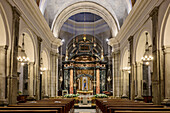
{"x": 84, "y": 69}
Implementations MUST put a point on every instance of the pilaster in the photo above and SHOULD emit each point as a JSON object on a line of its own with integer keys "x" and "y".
{"x": 125, "y": 75}
{"x": 56, "y": 74}
{"x": 38, "y": 90}
{"x": 3, "y": 74}
{"x": 14, "y": 53}
{"x": 139, "y": 82}
{"x": 156, "y": 61}
{"x": 31, "y": 79}
{"x": 166, "y": 51}
{"x": 53, "y": 74}
{"x": 117, "y": 73}
{"x": 131, "y": 77}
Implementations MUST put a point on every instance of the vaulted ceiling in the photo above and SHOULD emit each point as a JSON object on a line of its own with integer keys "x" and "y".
{"x": 50, "y": 8}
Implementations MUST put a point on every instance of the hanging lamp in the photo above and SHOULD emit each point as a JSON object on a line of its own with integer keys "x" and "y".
{"x": 22, "y": 57}
{"x": 147, "y": 57}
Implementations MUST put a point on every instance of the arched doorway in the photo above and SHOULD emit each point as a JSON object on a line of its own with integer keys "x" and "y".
{"x": 165, "y": 44}
{"x": 44, "y": 73}
{"x": 4, "y": 55}
{"x": 143, "y": 71}
{"x": 27, "y": 71}
{"x": 125, "y": 74}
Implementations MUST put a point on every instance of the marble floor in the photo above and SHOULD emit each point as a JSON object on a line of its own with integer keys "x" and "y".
{"x": 84, "y": 110}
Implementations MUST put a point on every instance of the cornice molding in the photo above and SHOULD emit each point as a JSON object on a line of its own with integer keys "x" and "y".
{"x": 112, "y": 42}
{"x": 129, "y": 26}
{"x": 31, "y": 8}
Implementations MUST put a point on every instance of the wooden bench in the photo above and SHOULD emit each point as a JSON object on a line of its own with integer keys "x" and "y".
{"x": 59, "y": 109}
{"x": 112, "y": 105}
{"x": 28, "y": 111}
{"x": 63, "y": 105}
{"x": 115, "y": 109}
{"x": 142, "y": 111}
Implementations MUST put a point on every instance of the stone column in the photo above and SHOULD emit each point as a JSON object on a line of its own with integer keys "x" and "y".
{"x": 71, "y": 81}
{"x": 43, "y": 83}
{"x": 166, "y": 101}
{"x": 125, "y": 75}
{"x": 13, "y": 55}
{"x": 56, "y": 75}
{"x": 113, "y": 81}
{"x": 139, "y": 81}
{"x": 53, "y": 73}
{"x": 98, "y": 80}
{"x": 38, "y": 93}
{"x": 131, "y": 84}
{"x": 49, "y": 82}
{"x": 117, "y": 73}
{"x": 35, "y": 80}
{"x": 3, "y": 74}
{"x": 31, "y": 79}
{"x": 135, "y": 79}
{"x": 156, "y": 58}
{"x": 46, "y": 83}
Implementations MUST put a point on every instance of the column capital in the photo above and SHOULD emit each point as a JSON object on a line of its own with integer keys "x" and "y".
{"x": 39, "y": 39}
{"x": 5, "y": 47}
{"x": 54, "y": 53}
{"x": 116, "y": 52}
{"x": 166, "y": 49}
{"x": 138, "y": 64}
{"x": 130, "y": 39}
{"x": 16, "y": 12}
{"x": 31, "y": 63}
{"x": 154, "y": 12}
{"x": 113, "y": 41}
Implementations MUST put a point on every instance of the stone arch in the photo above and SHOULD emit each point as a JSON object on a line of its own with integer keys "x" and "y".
{"x": 30, "y": 44}
{"x": 45, "y": 56}
{"x": 165, "y": 44}
{"x": 125, "y": 58}
{"x": 140, "y": 45}
{"x": 143, "y": 74}
{"x": 165, "y": 29}
{"x": 78, "y": 7}
{"x": 5, "y": 32}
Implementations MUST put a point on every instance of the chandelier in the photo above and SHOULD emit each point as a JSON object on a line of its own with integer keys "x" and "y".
{"x": 61, "y": 72}
{"x": 42, "y": 69}
{"x": 147, "y": 57}
{"x": 127, "y": 69}
{"x": 109, "y": 79}
{"x": 22, "y": 57}
{"x": 84, "y": 36}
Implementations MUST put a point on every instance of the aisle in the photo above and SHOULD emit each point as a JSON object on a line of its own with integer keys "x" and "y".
{"x": 84, "y": 110}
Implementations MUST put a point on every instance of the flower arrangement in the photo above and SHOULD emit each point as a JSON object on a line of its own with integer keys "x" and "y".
{"x": 19, "y": 92}
{"x": 71, "y": 95}
{"x": 100, "y": 96}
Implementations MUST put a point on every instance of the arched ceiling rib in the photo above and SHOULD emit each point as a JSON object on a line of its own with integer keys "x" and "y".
{"x": 50, "y": 8}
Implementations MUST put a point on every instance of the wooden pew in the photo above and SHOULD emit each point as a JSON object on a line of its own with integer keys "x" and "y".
{"x": 59, "y": 109}
{"x": 137, "y": 109}
{"x": 110, "y": 105}
{"x": 28, "y": 111}
{"x": 62, "y": 105}
{"x": 142, "y": 111}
